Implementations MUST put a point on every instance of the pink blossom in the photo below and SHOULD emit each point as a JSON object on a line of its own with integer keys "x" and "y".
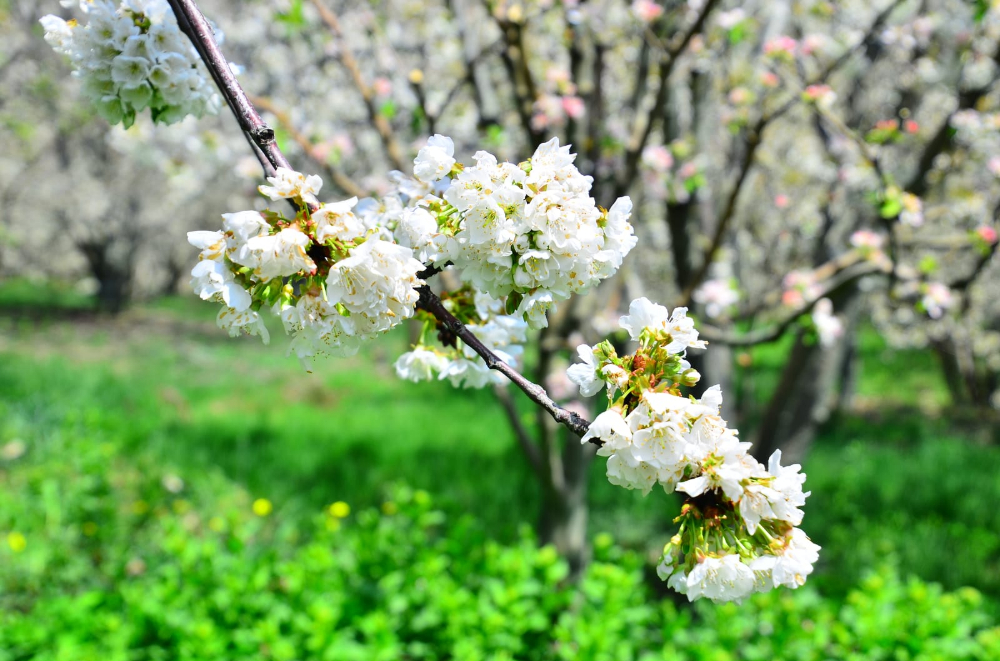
{"x": 646, "y": 10}
{"x": 987, "y": 234}
{"x": 781, "y": 46}
{"x": 573, "y": 106}
{"x": 739, "y": 96}
{"x": 812, "y": 43}
{"x": 382, "y": 86}
{"x": 937, "y": 298}
{"x": 687, "y": 170}
{"x": 344, "y": 144}
{"x": 822, "y": 94}
{"x": 556, "y": 75}
{"x": 792, "y": 298}
{"x": 994, "y": 165}
{"x": 867, "y": 239}
{"x": 911, "y": 126}
{"x": 769, "y": 79}
{"x": 657, "y": 157}
{"x": 781, "y": 200}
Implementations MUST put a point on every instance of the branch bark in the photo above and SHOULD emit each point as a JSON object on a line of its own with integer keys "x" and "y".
{"x": 193, "y": 23}
{"x": 431, "y": 303}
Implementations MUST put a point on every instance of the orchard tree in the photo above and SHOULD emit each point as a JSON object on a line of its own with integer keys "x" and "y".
{"x": 793, "y": 166}
{"x": 519, "y": 237}
{"x": 102, "y": 199}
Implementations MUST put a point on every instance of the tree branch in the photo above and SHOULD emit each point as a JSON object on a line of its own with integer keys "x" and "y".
{"x": 346, "y": 58}
{"x": 193, "y": 23}
{"x": 341, "y": 180}
{"x": 264, "y": 140}
{"x": 431, "y": 303}
{"x": 844, "y": 275}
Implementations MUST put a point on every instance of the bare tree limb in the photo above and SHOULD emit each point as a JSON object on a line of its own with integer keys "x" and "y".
{"x": 341, "y": 180}
{"x": 193, "y": 23}
{"x": 378, "y": 120}
{"x": 431, "y": 303}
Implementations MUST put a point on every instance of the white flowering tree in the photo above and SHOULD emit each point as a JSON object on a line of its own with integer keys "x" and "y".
{"x": 801, "y": 163}
{"x": 140, "y": 185}
{"x": 518, "y": 238}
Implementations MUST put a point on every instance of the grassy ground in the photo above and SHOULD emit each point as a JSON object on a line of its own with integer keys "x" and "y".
{"x": 162, "y": 379}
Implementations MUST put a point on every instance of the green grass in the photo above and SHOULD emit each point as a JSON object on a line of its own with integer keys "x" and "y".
{"x": 163, "y": 382}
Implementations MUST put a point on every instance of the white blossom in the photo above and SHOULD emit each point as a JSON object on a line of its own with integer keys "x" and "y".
{"x": 720, "y": 579}
{"x": 289, "y": 184}
{"x": 132, "y": 56}
{"x": 586, "y": 374}
{"x": 792, "y": 563}
{"x": 336, "y": 221}
{"x": 434, "y": 160}
{"x": 420, "y": 365}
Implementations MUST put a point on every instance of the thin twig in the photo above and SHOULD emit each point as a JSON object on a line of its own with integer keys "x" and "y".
{"x": 378, "y": 120}
{"x": 431, "y": 303}
{"x": 341, "y": 180}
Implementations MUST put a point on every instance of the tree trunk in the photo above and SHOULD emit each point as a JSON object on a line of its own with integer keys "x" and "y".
{"x": 114, "y": 276}
{"x": 807, "y": 392}
{"x": 564, "y": 515}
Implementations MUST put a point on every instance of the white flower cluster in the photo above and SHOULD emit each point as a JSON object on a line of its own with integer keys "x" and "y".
{"x": 502, "y": 334}
{"x": 737, "y": 531}
{"x": 133, "y": 56}
{"x": 332, "y": 279}
{"x": 528, "y": 231}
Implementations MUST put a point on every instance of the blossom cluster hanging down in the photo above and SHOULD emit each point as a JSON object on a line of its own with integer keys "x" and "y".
{"x": 133, "y": 56}
{"x": 738, "y": 531}
{"x": 331, "y": 278}
{"x": 450, "y": 359}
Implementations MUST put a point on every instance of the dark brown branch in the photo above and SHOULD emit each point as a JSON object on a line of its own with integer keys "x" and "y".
{"x": 431, "y": 303}
{"x": 193, "y": 23}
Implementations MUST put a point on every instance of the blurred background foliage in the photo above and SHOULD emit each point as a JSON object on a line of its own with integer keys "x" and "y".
{"x": 166, "y": 493}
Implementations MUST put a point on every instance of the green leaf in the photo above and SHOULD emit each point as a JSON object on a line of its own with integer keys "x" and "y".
{"x": 513, "y": 301}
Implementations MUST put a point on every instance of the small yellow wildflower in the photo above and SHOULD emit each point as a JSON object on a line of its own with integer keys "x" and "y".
{"x": 262, "y": 507}
{"x": 389, "y": 508}
{"x": 339, "y": 509}
{"x": 16, "y": 541}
